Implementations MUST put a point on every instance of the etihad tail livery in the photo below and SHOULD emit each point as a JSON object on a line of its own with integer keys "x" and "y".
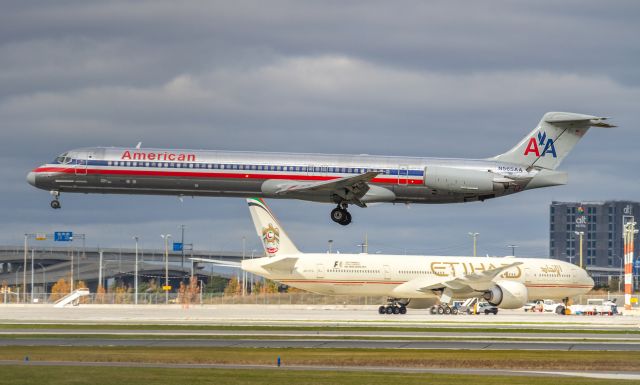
{"x": 338, "y": 179}
{"x": 415, "y": 281}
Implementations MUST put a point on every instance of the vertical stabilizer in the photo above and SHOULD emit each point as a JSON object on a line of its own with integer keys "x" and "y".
{"x": 554, "y": 137}
{"x": 274, "y": 239}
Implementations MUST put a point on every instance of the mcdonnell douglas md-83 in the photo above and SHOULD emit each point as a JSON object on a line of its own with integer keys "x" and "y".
{"x": 337, "y": 179}
{"x": 415, "y": 281}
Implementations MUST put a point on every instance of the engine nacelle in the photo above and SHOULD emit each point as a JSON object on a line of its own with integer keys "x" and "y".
{"x": 459, "y": 180}
{"x": 507, "y": 295}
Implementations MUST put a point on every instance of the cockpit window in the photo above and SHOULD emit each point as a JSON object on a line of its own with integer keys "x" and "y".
{"x": 63, "y": 159}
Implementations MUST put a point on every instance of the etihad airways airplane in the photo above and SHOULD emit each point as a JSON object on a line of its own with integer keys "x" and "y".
{"x": 339, "y": 179}
{"x": 415, "y": 281}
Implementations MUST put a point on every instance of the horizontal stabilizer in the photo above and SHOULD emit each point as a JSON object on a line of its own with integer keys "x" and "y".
{"x": 568, "y": 117}
{"x": 286, "y": 263}
{"x": 217, "y": 262}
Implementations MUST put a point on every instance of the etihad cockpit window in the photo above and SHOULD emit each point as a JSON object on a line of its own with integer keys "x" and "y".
{"x": 63, "y": 159}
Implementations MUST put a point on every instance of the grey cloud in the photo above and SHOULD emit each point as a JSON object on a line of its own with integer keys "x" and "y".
{"x": 464, "y": 79}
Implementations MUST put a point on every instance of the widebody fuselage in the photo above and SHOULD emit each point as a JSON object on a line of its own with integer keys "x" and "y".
{"x": 392, "y": 275}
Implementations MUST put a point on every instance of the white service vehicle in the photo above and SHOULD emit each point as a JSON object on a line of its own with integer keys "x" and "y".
{"x": 545, "y": 305}
{"x": 595, "y": 306}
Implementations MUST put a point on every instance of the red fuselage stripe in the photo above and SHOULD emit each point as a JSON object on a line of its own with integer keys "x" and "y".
{"x": 212, "y": 175}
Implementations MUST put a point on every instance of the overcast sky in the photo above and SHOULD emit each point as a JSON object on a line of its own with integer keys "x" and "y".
{"x": 444, "y": 78}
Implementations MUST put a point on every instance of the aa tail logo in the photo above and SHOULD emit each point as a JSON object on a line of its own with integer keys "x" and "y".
{"x": 547, "y": 146}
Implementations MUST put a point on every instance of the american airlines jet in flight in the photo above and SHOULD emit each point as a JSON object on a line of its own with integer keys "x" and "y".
{"x": 339, "y": 179}
{"x": 415, "y": 281}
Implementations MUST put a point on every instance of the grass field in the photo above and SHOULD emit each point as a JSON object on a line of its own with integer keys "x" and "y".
{"x": 33, "y": 375}
{"x": 426, "y": 328}
{"x": 498, "y": 359}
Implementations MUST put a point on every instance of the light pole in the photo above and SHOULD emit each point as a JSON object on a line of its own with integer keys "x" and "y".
{"x": 44, "y": 282}
{"x": 166, "y": 266}
{"x": 513, "y": 249}
{"x": 620, "y": 277}
{"x": 18, "y": 287}
{"x": 100, "y": 283}
{"x": 475, "y": 239}
{"x": 24, "y": 270}
{"x": 244, "y": 273}
{"x": 33, "y": 251}
{"x": 135, "y": 278}
{"x": 364, "y": 245}
{"x": 580, "y": 234}
{"x": 182, "y": 241}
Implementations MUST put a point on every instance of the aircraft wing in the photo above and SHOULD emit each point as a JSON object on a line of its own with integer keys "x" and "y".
{"x": 474, "y": 282}
{"x": 350, "y": 188}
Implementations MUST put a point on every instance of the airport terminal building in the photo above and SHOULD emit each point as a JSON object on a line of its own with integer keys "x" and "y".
{"x": 602, "y": 226}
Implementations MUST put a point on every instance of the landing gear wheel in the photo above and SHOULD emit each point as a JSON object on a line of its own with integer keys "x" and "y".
{"x": 389, "y": 309}
{"x": 454, "y": 310}
{"x": 433, "y": 310}
{"x": 396, "y": 310}
{"x": 341, "y": 215}
{"x": 447, "y": 310}
{"x": 440, "y": 310}
{"x": 347, "y": 218}
{"x": 55, "y": 204}
{"x": 337, "y": 215}
{"x": 382, "y": 310}
{"x": 403, "y": 310}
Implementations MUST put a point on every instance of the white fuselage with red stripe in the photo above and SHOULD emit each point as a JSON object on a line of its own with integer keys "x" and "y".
{"x": 376, "y": 274}
{"x": 243, "y": 174}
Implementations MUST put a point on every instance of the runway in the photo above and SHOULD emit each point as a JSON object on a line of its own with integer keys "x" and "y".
{"x": 302, "y": 315}
{"x": 325, "y": 344}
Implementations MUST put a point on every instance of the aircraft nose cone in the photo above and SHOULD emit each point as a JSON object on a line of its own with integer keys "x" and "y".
{"x": 31, "y": 178}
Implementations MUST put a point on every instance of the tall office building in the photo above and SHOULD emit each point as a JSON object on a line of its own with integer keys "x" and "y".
{"x": 602, "y": 225}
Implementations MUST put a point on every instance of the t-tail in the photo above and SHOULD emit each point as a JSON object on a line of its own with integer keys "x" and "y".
{"x": 275, "y": 240}
{"x": 547, "y": 145}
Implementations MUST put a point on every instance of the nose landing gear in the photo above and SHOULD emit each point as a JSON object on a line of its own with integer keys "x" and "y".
{"x": 55, "y": 203}
{"x": 341, "y": 215}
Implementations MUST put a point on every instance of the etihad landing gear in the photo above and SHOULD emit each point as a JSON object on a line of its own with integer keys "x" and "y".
{"x": 55, "y": 203}
{"x": 394, "y": 307}
{"x": 443, "y": 308}
{"x": 341, "y": 215}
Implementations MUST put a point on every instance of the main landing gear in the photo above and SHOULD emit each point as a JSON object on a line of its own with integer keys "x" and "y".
{"x": 443, "y": 308}
{"x": 341, "y": 215}
{"x": 394, "y": 307}
{"x": 55, "y": 203}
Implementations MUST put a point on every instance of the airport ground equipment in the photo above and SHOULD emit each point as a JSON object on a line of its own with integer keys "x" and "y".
{"x": 341, "y": 180}
{"x": 71, "y": 298}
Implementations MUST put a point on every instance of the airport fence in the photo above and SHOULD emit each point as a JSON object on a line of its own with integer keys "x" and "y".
{"x": 298, "y": 298}
{"x": 204, "y": 299}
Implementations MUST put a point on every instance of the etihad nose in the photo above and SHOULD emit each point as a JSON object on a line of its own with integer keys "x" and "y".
{"x": 31, "y": 178}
